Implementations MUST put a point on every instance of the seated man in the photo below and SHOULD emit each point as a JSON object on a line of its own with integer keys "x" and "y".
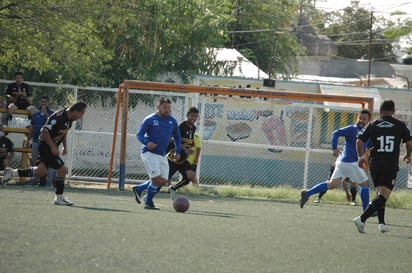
{"x": 6, "y": 150}
{"x": 18, "y": 96}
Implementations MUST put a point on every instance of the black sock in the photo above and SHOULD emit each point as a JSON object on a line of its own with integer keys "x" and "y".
{"x": 321, "y": 194}
{"x": 381, "y": 214}
{"x": 59, "y": 185}
{"x": 181, "y": 183}
{"x": 353, "y": 191}
{"x": 377, "y": 204}
{"x": 25, "y": 172}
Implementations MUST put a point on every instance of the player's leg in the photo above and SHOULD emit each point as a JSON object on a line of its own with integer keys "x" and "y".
{"x": 383, "y": 182}
{"x": 188, "y": 175}
{"x": 156, "y": 182}
{"x": 61, "y": 171}
{"x": 353, "y": 192}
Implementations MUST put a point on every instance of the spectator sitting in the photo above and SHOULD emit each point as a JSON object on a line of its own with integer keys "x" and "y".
{"x": 18, "y": 96}
{"x": 38, "y": 119}
{"x": 6, "y": 150}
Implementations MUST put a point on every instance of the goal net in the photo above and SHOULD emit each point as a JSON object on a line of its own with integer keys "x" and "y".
{"x": 250, "y": 137}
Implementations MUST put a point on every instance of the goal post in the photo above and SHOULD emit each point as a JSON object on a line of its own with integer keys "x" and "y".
{"x": 203, "y": 91}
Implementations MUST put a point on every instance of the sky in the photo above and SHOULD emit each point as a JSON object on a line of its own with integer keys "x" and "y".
{"x": 380, "y": 7}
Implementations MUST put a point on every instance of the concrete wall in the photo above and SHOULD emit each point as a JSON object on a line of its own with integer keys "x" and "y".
{"x": 322, "y": 66}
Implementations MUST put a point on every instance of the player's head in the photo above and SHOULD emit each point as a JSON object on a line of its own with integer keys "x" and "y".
{"x": 192, "y": 115}
{"x": 19, "y": 77}
{"x": 164, "y": 107}
{"x": 363, "y": 118}
{"x": 77, "y": 110}
{"x": 387, "y": 108}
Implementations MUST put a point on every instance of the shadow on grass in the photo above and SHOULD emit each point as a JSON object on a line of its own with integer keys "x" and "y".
{"x": 102, "y": 209}
{"x": 212, "y": 214}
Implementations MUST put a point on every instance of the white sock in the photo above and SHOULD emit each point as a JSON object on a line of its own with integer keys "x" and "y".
{"x": 15, "y": 173}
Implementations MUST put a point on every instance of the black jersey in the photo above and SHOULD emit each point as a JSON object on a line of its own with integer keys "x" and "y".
{"x": 386, "y": 133}
{"x": 58, "y": 125}
{"x": 187, "y": 133}
{"x": 19, "y": 100}
{"x": 6, "y": 146}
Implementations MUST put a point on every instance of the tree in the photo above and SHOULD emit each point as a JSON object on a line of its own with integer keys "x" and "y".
{"x": 154, "y": 37}
{"x": 51, "y": 41}
{"x": 262, "y": 31}
{"x": 350, "y": 30}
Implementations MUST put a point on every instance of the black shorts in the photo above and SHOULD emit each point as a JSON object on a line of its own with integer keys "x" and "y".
{"x": 383, "y": 174}
{"x": 1, "y": 162}
{"x": 49, "y": 159}
{"x": 22, "y": 104}
{"x": 182, "y": 167}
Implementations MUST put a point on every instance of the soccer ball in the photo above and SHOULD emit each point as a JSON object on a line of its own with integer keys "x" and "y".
{"x": 181, "y": 204}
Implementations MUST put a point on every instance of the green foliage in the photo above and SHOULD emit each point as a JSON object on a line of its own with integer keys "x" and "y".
{"x": 350, "y": 29}
{"x": 54, "y": 40}
{"x": 265, "y": 35}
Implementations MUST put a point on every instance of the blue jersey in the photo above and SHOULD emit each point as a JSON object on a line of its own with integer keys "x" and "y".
{"x": 159, "y": 130}
{"x": 37, "y": 121}
{"x": 351, "y": 132}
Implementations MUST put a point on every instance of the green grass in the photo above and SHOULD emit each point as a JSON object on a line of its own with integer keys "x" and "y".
{"x": 399, "y": 198}
{"x": 106, "y": 231}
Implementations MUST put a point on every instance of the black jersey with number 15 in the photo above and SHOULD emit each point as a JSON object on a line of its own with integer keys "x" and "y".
{"x": 386, "y": 133}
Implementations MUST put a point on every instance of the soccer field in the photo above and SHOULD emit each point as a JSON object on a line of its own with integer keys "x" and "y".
{"x": 107, "y": 231}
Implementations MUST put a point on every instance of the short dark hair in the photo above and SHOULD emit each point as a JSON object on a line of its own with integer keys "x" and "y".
{"x": 78, "y": 106}
{"x": 163, "y": 100}
{"x": 44, "y": 98}
{"x": 18, "y": 73}
{"x": 388, "y": 105}
{"x": 192, "y": 110}
{"x": 365, "y": 111}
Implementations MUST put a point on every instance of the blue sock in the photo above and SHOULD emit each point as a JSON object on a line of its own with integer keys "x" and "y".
{"x": 364, "y": 195}
{"x": 151, "y": 192}
{"x": 143, "y": 186}
{"x": 321, "y": 187}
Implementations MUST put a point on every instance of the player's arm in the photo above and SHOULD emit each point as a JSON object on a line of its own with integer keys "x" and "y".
{"x": 64, "y": 151}
{"x": 142, "y": 137}
{"x": 178, "y": 141}
{"x": 407, "y": 157}
{"x": 334, "y": 141}
{"x": 198, "y": 145}
{"x": 361, "y": 152}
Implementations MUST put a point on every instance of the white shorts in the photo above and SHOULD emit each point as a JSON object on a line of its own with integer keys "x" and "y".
{"x": 156, "y": 165}
{"x": 349, "y": 170}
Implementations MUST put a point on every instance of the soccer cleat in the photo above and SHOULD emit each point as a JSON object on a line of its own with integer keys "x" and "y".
{"x": 317, "y": 200}
{"x": 137, "y": 195}
{"x": 8, "y": 174}
{"x": 359, "y": 224}
{"x": 303, "y": 198}
{"x": 383, "y": 228}
{"x": 63, "y": 202}
{"x": 353, "y": 203}
{"x": 172, "y": 192}
{"x": 151, "y": 206}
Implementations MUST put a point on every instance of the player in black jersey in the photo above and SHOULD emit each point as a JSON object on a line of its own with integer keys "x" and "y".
{"x": 387, "y": 133}
{"x": 52, "y": 134}
{"x": 187, "y": 131}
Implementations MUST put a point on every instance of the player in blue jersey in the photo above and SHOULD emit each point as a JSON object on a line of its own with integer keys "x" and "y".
{"x": 346, "y": 163}
{"x": 386, "y": 134}
{"x": 155, "y": 133}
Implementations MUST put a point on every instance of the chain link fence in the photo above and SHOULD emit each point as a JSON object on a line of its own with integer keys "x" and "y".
{"x": 246, "y": 141}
